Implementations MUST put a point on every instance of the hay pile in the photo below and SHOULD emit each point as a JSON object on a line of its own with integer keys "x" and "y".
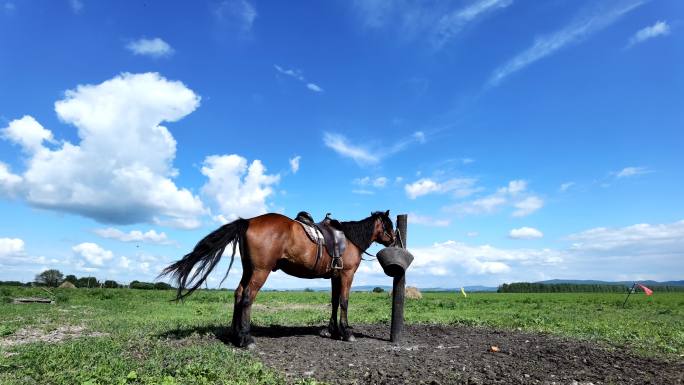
{"x": 67, "y": 285}
{"x": 411, "y": 292}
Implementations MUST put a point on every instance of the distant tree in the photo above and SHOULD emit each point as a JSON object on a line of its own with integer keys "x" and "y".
{"x": 71, "y": 278}
{"x": 111, "y": 284}
{"x": 308, "y": 290}
{"x": 162, "y": 286}
{"x": 51, "y": 278}
{"x": 141, "y": 285}
{"x": 378, "y": 290}
{"x": 11, "y": 283}
{"x": 87, "y": 282}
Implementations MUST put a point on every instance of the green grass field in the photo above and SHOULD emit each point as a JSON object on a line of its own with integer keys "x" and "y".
{"x": 134, "y": 348}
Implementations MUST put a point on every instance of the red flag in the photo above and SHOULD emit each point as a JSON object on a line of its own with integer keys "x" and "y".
{"x": 646, "y": 290}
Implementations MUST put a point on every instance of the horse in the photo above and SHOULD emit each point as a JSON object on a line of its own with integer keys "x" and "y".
{"x": 272, "y": 242}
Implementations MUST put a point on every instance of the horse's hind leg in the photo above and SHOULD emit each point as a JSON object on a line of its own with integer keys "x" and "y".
{"x": 243, "y": 308}
{"x": 346, "y": 281}
{"x": 333, "y": 329}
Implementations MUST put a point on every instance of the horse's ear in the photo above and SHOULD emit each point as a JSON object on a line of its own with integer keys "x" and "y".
{"x": 387, "y": 213}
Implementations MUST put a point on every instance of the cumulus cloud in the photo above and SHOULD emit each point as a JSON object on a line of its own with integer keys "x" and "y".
{"x": 150, "y": 47}
{"x": 149, "y": 236}
{"x": 236, "y": 188}
{"x": 27, "y": 133}
{"x": 294, "y": 164}
{"x": 660, "y": 28}
{"x": 121, "y": 169}
{"x": 9, "y": 183}
{"x": 92, "y": 255}
{"x": 525, "y": 233}
{"x": 581, "y": 28}
{"x": 459, "y": 187}
{"x": 527, "y": 206}
{"x": 514, "y": 194}
{"x": 456, "y": 257}
{"x": 636, "y": 239}
{"x": 631, "y": 171}
{"x": 17, "y": 264}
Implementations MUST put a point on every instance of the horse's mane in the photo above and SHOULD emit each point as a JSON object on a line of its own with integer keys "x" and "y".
{"x": 360, "y": 233}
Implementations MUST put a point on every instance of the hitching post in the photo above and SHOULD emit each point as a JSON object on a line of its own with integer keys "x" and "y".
{"x": 398, "y": 287}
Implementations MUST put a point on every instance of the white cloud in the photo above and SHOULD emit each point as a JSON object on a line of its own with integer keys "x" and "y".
{"x": 150, "y": 47}
{"x": 472, "y": 234}
{"x": 363, "y": 192}
{"x": 525, "y": 233}
{"x": 566, "y": 186}
{"x": 583, "y": 27}
{"x": 459, "y": 187}
{"x": 467, "y": 160}
{"x": 237, "y": 190}
{"x": 440, "y": 22}
{"x": 13, "y": 256}
{"x": 121, "y": 170}
{"x": 424, "y": 220}
{"x": 298, "y": 75}
{"x": 9, "y": 183}
{"x": 378, "y": 182}
{"x": 631, "y": 171}
{"x": 92, "y": 255}
{"x": 294, "y": 164}
{"x": 635, "y": 239}
{"x": 514, "y": 194}
{"x": 420, "y": 136}
{"x": 457, "y": 257}
{"x": 314, "y": 87}
{"x": 660, "y": 28}
{"x": 453, "y": 22}
{"x": 238, "y": 13}
{"x": 341, "y": 145}
{"x": 365, "y": 155}
{"x": 27, "y": 133}
{"x": 527, "y": 206}
{"x": 149, "y": 236}
{"x": 76, "y": 6}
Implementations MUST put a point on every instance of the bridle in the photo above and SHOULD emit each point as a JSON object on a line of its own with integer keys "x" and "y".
{"x": 384, "y": 233}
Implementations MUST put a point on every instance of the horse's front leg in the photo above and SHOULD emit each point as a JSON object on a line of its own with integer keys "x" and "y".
{"x": 345, "y": 287}
{"x": 333, "y": 329}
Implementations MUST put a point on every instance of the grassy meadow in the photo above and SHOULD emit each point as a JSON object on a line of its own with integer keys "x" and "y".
{"x": 124, "y": 336}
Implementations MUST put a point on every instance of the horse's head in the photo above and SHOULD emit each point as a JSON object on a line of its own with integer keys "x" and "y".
{"x": 383, "y": 231}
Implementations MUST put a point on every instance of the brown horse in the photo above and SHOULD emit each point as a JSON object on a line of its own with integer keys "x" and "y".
{"x": 270, "y": 242}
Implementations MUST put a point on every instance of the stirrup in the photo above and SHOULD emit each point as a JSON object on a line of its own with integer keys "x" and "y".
{"x": 337, "y": 264}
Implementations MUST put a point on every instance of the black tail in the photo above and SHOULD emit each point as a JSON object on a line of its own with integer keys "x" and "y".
{"x": 206, "y": 255}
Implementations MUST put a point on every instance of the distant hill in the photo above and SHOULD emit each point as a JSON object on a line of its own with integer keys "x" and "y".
{"x": 624, "y": 283}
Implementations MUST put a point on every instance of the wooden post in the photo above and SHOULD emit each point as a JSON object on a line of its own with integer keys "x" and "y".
{"x": 398, "y": 287}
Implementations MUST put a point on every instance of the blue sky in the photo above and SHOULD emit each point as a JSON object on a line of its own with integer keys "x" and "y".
{"x": 526, "y": 140}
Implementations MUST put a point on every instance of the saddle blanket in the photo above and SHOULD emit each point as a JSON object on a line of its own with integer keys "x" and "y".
{"x": 314, "y": 233}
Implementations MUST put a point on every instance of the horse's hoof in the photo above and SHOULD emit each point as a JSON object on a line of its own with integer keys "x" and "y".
{"x": 350, "y": 338}
{"x": 251, "y": 346}
{"x": 325, "y": 333}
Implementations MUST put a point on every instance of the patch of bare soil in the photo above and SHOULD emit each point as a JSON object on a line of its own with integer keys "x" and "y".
{"x": 31, "y": 334}
{"x": 433, "y": 354}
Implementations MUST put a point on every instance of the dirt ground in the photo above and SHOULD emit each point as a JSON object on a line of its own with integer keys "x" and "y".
{"x": 432, "y": 354}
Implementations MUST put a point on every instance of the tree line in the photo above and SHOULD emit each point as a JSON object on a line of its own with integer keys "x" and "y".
{"x": 54, "y": 278}
{"x": 531, "y": 287}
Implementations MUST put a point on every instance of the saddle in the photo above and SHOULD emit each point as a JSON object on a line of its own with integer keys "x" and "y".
{"x": 328, "y": 233}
